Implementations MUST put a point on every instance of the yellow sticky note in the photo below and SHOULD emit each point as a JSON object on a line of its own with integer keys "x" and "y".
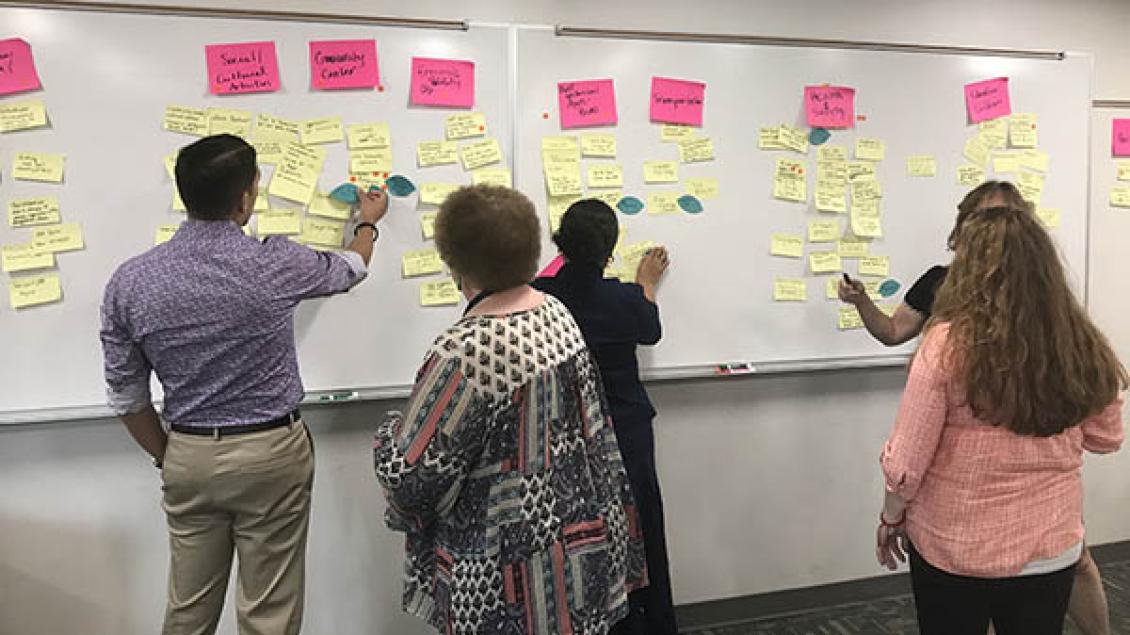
{"x": 970, "y": 175}
{"x": 186, "y": 120}
{"x": 866, "y": 190}
{"x": 1006, "y": 162}
{"x": 1022, "y": 130}
{"x": 268, "y": 152}
{"x": 870, "y": 149}
{"x": 787, "y": 245}
{"x": 824, "y": 262}
{"x": 558, "y": 205}
{"x": 429, "y": 153}
{"x": 831, "y": 196}
{"x": 272, "y": 128}
{"x": 788, "y": 168}
{"x": 492, "y": 176}
{"x": 170, "y": 162}
{"x": 921, "y": 165}
{"x": 324, "y": 130}
{"x": 832, "y": 288}
{"x": 609, "y": 197}
{"x": 57, "y": 238}
{"x": 322, "y": 231}
{"x": 1031, "y": 186}
{"x": 795, "y": 139}
{"x": 562, "y": 158}
{"x": 1122, "y": 167}
{"x": 823, "y": 231}
{"x": 439, "y": 293}
{"x": 428, "y": 224}
{"x": 695, "y": 150}
{"x": 567, "y": 142}
{"x": 262, "y": 203}
{"x": 790, "y": 290}
{"x": 832, "y": 153}
{"x": 420, "y": 263}
{"x": 465, "y": 125}
{"x": 24, "y": 257}
{"x": 370, "y": 160}
{"x": 36, "y": 166}
{"x": 34, "y": 290}
{"x": 481, "y": 153}
{"x": 285, "y": 222}
{"x": 324, "y": 206}
{"x": 994, "y": 133}
{"x": 675, "y": 132}
{"x": 659, "y": 203}
{"x": 1034, "y": 160}
{"x": 767, "y": 139}
{"x": 852, "y": 248}
{"x": 630, "y": 256}
{"x": 360, "y": 136}
{"x": 865, "y": 207}
{"x": 436, "y": 193}
{"x": 229, "y": 121}
{"x": 660, "y": 172}
{"x": 605, "y": 175}
{"x": 563, "y": 179}
{"x": 976, "y": 151}
{"x": 790, "y": 189}
{"x": 178, "y": 202}
{"x": 598, "y": 145}
{"x": 165, "y": 233}
{"x": 25, "y": 212}
{"x": 1120, "y": 197}
{"x": 1048, "y": 216}
{"x": 296, "y": 177}
{"x": 836, "y": 171}
{"x": 704, "y": 189}
{"x": 22, "y": 115}
{"x": 849, "y": 318}
{"x": 866, "y": 226}
{"x": 875, "y": 266}
{"x": 860, "y": 171}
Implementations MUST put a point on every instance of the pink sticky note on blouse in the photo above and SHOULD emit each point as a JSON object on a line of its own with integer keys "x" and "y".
{"x": 829, "y": 106}
{"x": 17, "y": 67}
{"x": 250, "y": 67}
{"x": 553, "y": 267}
{"x": 587, "y": 103}
{"x": 343, "y": 64}
{"x": 677, "y": 101}
{"x": 1120, "y": 138}
{"x": 987, "y": 99}
{"x": 437, "y": 82}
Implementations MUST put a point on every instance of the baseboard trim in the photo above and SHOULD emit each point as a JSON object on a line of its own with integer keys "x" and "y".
{"x": 744, "y": 608}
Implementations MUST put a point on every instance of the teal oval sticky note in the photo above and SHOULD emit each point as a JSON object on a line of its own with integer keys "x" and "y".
{"x": 346, "y": 193}
{"x": 630, "y": 205}
{"x": 690, "y": 204}
{"x": 399, "y": 185}
{"x": 889, "y": 288}
{"x": 819, "y": 136}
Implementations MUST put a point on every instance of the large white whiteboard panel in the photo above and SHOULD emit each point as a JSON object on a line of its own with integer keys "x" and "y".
{"x": 107, "y": 80}
{"x": 717, "y": 299}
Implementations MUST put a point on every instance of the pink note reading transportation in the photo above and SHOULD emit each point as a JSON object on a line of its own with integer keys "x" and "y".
{"x": 587, "y": 103}
{"x": 987, "y": 99}
{"x": 233, "y": 69}
{"x": 1120, "y": 138}
{"x": 677, "y": 101}
{"x": 437, "y": 82}
{"x": 830, "y": 106}
{"x": 344, "y": 64}
{"x": 17, "y": 67}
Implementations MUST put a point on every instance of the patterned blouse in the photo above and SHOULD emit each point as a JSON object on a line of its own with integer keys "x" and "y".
{"x": 505, "y": 475}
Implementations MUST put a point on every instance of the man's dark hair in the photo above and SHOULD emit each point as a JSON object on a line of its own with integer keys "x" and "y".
{"x": 212, "y": 175}
{"x": 588, "y": 233}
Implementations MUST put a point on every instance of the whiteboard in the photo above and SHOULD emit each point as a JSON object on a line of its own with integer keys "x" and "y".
{"x": 716, "y": 301}
{"x": 107, "y": 78}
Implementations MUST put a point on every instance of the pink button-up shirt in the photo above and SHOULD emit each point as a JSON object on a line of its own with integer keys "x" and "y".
{"x": 985, "y": 501}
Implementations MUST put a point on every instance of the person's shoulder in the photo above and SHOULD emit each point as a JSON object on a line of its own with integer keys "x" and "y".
{"x": 136, "y": 269}
{"x": 937, "y": 272}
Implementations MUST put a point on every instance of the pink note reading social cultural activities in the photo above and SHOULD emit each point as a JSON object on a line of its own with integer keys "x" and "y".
{"x": 437, "y": 82}
{"x": 987, "y": 99}
{"x": 587, "y": 103}
{"x": 250, "y": 67}
{"x": 17, "y": 67}
{"x": 1120, "y": 138}
{"x": 677, "y": 101}
{"x": 829, "y": 106}
{"x": 344, "y": 64}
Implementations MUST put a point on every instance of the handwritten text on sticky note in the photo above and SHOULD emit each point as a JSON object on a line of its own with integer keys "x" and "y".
{"x": 440, "y": 82}
{"x": 234, "y": 69}
{"x": 677, "y": 101}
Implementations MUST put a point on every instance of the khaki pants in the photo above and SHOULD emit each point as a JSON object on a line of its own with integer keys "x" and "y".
{"x": 249, "y": 492}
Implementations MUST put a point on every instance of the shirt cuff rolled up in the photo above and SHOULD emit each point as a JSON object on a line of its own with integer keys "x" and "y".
{"x": 356, "y": 265}
{"x": 128, "y": 399}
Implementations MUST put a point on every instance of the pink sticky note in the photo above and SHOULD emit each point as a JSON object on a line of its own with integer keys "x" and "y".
{"x": 250, "y": 67}
{"x": 830, "y": 106}
{"x": 437, "y": 82}
{"x": 1120, "y": 138}
{"x": 342, "y": 64}
{"x": 553, "y": 267}
{"x": 588, "y": 103}
{"x": 677, "y": 101}
{"x": 17, "y": 67}
{"x": 987, "y": 100}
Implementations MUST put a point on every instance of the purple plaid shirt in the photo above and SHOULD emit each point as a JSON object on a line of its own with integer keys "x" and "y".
{"x": 212, "y": 312}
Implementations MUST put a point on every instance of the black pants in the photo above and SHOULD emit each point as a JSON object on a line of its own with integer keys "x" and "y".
{"x": 652, "y": 609}
{"x": 950, "y": 604}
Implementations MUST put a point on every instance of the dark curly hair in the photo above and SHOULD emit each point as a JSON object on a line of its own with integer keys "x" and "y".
{"x": 588, "y": 233}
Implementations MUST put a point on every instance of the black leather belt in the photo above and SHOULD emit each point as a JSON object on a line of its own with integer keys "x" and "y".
{"x": 243, "y": 428}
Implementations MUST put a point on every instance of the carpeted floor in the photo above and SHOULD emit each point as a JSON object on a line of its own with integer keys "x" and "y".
{"x": 895, "y": 615}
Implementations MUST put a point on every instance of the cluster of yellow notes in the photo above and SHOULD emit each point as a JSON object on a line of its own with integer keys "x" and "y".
{"x": 41, "y": 216}
{"x": 1009, "y": 148}
{"x": 1120, "y": 195}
